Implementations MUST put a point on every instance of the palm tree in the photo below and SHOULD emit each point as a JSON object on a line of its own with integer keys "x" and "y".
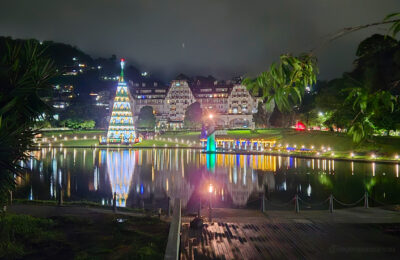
{"x": 25, "y": 74}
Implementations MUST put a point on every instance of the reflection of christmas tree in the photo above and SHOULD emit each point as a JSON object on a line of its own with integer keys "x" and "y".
{"x": 121, "y": 128}
{"x": 120, "y": 168}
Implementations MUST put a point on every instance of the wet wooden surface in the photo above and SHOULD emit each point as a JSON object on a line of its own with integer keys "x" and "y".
{"x": 270, "y": 238}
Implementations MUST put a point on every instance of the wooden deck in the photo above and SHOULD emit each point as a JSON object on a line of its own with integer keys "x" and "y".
{"x": 249, "y": 241}
{"x": 271, "y": 238}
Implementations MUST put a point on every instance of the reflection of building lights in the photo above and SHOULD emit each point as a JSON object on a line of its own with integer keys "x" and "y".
{"x": 373, "y": 169}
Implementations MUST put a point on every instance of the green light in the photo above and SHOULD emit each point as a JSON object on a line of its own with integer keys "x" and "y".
{"x": 211, "y": 147}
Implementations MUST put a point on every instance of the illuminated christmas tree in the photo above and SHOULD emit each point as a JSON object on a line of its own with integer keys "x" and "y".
{"x": 121, "y": 128}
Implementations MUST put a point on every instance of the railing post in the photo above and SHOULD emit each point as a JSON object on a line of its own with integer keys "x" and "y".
{"x": 296, "y": 203}
{"x": 209, "y": 210}
{"x": 60, "y": 196}
{"x": 366, "y": 200}
{"x": 115, "y": 202}
{"x": 331, "y": 204}
{"x": 199, "y": 210}
{"x": 263, "y": 202}
{"x": 169, "y": 207}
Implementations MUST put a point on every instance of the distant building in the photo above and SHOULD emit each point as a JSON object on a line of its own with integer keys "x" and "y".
{"x": 229, "y": 102}
{"x": 62, "y": 96}
{"x": 101, "y": 99}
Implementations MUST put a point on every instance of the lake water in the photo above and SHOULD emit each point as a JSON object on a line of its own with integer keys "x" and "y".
{"x": 149, "y": 176}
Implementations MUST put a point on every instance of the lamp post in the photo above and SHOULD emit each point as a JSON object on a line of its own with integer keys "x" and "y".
{"x": 210, "y": 190}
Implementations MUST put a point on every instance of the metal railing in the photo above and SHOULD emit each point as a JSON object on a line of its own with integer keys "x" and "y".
{"x": 297, "y": 202}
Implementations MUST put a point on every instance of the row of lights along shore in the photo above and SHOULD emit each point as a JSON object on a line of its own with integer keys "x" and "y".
{"x": 187, "y": 142}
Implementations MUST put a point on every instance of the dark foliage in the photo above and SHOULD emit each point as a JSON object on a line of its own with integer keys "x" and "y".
{"x": 25, "y": 76}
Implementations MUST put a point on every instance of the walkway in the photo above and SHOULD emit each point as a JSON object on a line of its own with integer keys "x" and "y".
{"x": 45, "y": 211}
{"x": 244, "y": 234}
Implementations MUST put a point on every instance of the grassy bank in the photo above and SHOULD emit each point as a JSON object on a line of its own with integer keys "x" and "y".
{"x": 340, "y": 144}
{"x": 98, "y": 236}
{"x": 337, "y": 145}
{"x": 92, "y": 142}
{"x": 73, "y": 132}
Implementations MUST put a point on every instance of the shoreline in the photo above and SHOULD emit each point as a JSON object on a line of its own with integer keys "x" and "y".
{"x": 293, "y": 154}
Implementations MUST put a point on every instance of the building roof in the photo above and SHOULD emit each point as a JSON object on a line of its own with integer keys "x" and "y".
{"x": 148, "y": 90}
{"x": 209, "y": 85}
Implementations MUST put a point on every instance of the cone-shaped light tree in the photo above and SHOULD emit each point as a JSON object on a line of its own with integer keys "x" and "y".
{"x": 121, "y": 128}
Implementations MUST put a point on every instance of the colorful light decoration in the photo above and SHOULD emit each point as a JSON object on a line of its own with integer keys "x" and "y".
{"x": 121, "y": 128}
{"x": 300, "y": 126}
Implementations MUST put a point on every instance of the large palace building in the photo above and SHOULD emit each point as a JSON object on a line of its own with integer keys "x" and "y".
{"x": 228, "y": 102}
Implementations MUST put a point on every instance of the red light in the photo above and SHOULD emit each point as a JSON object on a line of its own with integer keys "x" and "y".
{"x": 122, "y": 59}
{"x": 300, "y": 126}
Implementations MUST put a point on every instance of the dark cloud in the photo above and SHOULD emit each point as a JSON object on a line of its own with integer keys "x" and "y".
{"x": 219, "y": 37}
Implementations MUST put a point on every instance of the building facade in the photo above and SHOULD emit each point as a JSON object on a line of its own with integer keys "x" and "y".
{"x": 227, "y": 104}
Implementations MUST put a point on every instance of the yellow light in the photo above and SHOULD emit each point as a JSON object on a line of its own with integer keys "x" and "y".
{"x": 210, "y": 188}
{"x": 373, "y": 156}
{"x": 396, "y": 156}
{"x": 352, "y": 154}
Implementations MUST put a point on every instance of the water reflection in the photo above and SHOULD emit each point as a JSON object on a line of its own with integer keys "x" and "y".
{"x": 149, "y": 177}
{"x": 120, "y": 169}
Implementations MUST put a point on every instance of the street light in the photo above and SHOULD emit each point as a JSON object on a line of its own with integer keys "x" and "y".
{"x": 211, "y": 116}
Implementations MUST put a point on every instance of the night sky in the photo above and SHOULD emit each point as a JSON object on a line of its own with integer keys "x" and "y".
{"x": 224, "y": 38}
